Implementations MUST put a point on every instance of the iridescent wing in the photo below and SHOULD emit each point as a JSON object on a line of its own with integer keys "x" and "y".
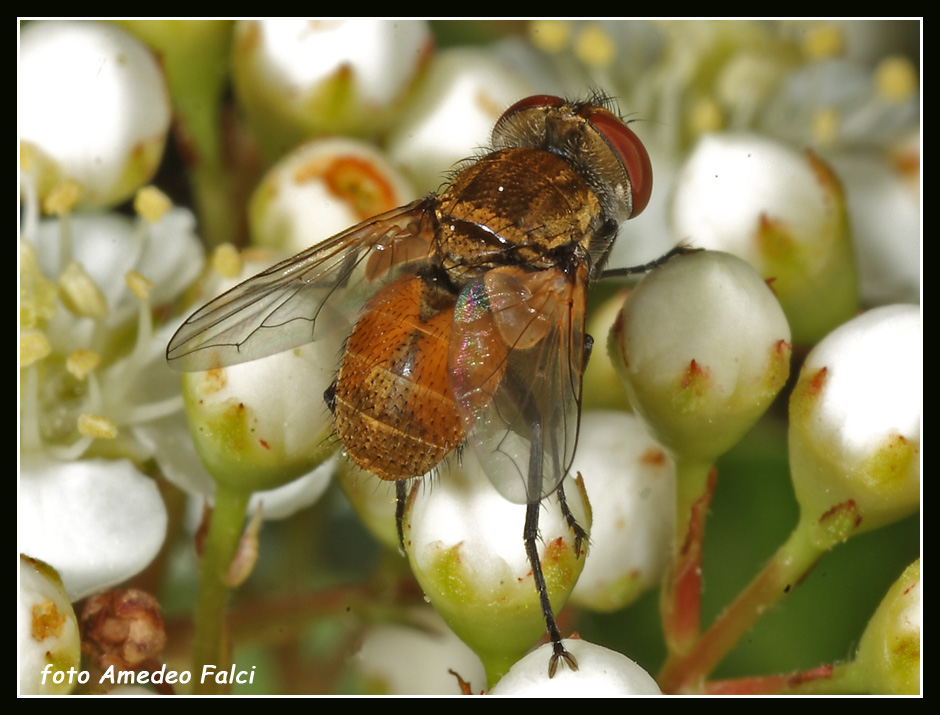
{"x": 516, "y": 362}
{"x": 299, "y": 300}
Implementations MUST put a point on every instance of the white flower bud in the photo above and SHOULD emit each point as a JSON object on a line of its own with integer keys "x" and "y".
{"x": 452, "y": 116}
{"x": 780, "y": 210}
{"x": 465, "y": 543}
{"x": 47, "y": 630}
{"x": 888, "y": 657}
{"x": 302, "y": 78}
{"x": 261, "y": 424}
{"x": 321, "y": 188}
{"x": 94, "y": 101}
{"x": 601, "y": 673}
{"x": 423, "y": 659}
{"x": 702, "y": 348}
{"x": 855, "y": 419}
{"x": 631, "y": 483}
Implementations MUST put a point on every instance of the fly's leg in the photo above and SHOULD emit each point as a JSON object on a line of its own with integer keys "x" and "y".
{"x": 400, "y": 497}
{"x": 680, "y": 250}
{"x": 580, "y": 535}
{"x": 530, "y": 534}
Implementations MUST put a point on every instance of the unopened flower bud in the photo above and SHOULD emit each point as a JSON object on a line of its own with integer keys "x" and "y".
{"x": 421, "y": 659}
{"x": 374, "y": 501}
{"x": 465, "y": 543}
{"x": 888, "y": 656}
{"x": 855, "y": 418}
{"x": 462, "y": 95}
{"x": 702, "y": 348}
{"x": 321, "y": 188}
{"x": 94, "y": 101}
{"x": 261, "y": 424}
{"x": 631, "y": 482}
{"x": 601, "y": 673}
{"x": 784, "y": 213}
{"x": 47, "y": 631}
{"x": 301, "y": 78}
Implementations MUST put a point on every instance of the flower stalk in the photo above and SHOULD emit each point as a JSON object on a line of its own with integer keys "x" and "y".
{"x": 686, "y": 672}
{"x": 680, "y": 604}
{"x": 210, "y": 645}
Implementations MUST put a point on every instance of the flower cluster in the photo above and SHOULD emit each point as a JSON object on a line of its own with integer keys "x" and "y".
{"x": 789, "y": 151}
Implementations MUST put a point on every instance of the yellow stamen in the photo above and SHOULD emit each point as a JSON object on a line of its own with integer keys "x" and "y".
{"x": 139, "y": 285}
{"x": 705, "y": 116}
{"x": 550, "y": 35}
{"x": 227, "y": 261}
{"x": 151, "y": 203}
{"x": 34, "y": 346}
{"x": 895, "y": 78}
{"x": 28, "y": 159}
{"x": 62, "y": 198}
{"x": 97, "y": 426}
{"x": 822, "y": 42}
{"x": 594, "y": 47}
{"x": 826, "y": 124}
{"x": 80, "y": 293}
{"x": 81, "y": 362}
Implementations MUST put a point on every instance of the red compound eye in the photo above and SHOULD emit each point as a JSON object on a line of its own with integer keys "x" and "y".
{"x": 538, "y": 100}
{"x": 630, "y": 151}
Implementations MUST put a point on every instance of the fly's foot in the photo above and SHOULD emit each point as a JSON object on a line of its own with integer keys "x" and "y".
{"x": 560, "y": 654}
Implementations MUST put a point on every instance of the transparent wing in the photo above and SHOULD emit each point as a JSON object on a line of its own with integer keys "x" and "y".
{"x": 301, "y": 299}
{"x": 516, "y": 362}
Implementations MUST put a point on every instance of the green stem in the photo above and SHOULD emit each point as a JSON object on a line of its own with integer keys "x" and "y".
{"x": 214, "y": 199}
{"x": 686, "y": 672}
{"x": 225, "y": 530}
{"x": 680, "y": 599}
{"x": 842, "y": 679}
{"x": 692, "y": 479}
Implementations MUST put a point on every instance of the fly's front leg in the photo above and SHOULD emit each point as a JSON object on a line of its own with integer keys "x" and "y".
{"x": 680, "y": 250}
{"x": 401, "y": 494}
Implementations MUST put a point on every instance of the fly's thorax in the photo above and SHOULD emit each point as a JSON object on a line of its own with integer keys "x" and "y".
{"x": 516, "y": 206}
{"x": 592, "y": 139}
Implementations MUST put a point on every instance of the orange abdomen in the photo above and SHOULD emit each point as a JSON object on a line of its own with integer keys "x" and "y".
{"x": 394, "y": 407}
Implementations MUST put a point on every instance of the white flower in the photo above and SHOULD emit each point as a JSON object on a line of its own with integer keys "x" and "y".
{"x": 96, "y": 521}
{"x": 87, "y": 509}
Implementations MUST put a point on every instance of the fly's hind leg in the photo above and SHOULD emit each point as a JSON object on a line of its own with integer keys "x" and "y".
{"x": 530, "y": 534}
